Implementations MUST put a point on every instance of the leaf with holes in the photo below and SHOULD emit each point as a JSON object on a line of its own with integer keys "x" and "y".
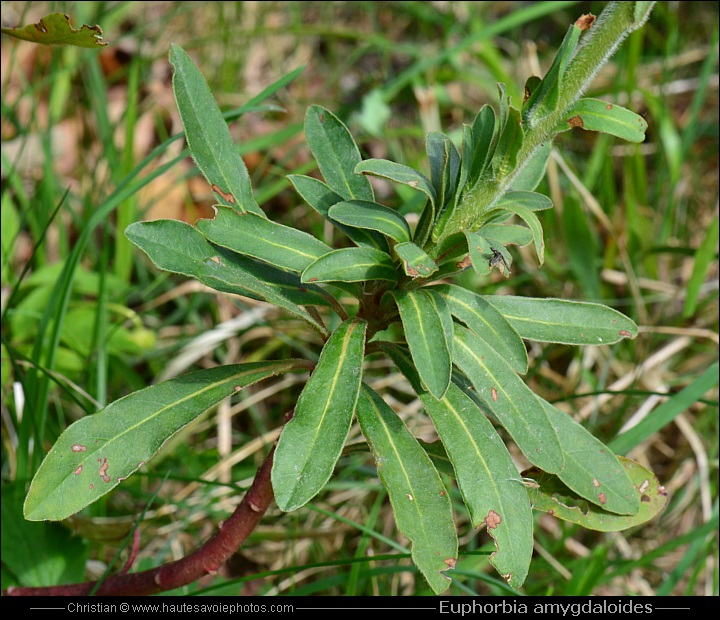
{"x": 311, "y": 443}
{"x": 99, "y": 451}
{"x": 553, "y": 497}
{"x": 421, "y": 504}
{"x": 596, "y": 115}
{"x": 55, "y": 29}
{"x": 416, "y": 263}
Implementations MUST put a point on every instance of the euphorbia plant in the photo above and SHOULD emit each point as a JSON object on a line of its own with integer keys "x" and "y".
{"x": 461, "y": 351}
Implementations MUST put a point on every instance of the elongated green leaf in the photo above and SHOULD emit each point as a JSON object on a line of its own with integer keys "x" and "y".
{"x": 596, "y": 115}
{"x": 420, "y": 502}
{"x": 336, "y": 154}
{"x": 562, "y": 321}
{"x": 530, "y": 200}
{"x": 488, "y": 479}
{"x": 178, "y": 247}
{"x": 507, "y": 234}
{"x": 320, "y": 197}
{"x": 55, "y": 29}
{"x": 351, "y": 265}
{"x": 96, "y": 453}
{"x": 513, "y": 403}
{"x": 591, "y": 468}
{"x": 262, "y": 238}
{"x": 208, "y": 136}
{"x": 426, "y": 337}
{"x": 534, "y": 171}
{"x": 553, "y": 497}
{"x": 482, "y": 318}
{"x": 511, "y": 140}
{"x": 415, "y": 262}
{"x": 311, "y": 443}
{"x": 535, "y": 228}
{"x": 444, "y": 166}
{"x": 372, "y": 216}
{"x": 398, "y": 173}
{"x": 484, "y": 132}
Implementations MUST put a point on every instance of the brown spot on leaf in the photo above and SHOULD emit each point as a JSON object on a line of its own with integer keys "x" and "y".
{"x": 586, "y": 21}
{"x": 492, "y": 520}
{"x": 603, "y": 498}
{"x": 414, "y": 183}
{"x": 596, "y": 483}
{"x": 644, "y": 498}
{"x": 410, "y": 497}
{"x": 413, "y": 273}
{"x": 608, "y": 106}
{"x": 321, "y": 118}
{"x": 464, "y": 263}
{"x": 227, "y": 197}
{"x": 140, "y": 464}
{"x": 237, "y": 388}
{"x": 450, "y": 562}
{"x": 625, "y": 334}
{"x": 576, "y": 121}
{"x": 312, "y": 280}
{"x": 644, "y": 486}
{"x": 106, "y": 478}
{"x": 442, "y": 493}
{"x": 103, "y": 468}
{"x": 551, "y": 512}
{"x": 92, "y": 486}
{"x": 216, "y": 260}
{"x": 78, "y": 470}
{"x": 493, "y": 393}
{"x": 76, "y": 447}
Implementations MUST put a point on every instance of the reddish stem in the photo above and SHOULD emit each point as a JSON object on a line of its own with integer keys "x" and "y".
{"x": 205, "y": 560}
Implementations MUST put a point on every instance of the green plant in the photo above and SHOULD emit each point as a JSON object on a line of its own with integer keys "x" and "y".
{"x": 461, "y": 351}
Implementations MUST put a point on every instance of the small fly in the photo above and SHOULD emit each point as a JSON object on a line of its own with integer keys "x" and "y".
{"x": 497, "y": 259}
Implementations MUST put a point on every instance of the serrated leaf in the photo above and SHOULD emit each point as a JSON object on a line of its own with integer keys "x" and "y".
{"x": 178, "y": 247}
{"x": 55, "y": 29}
{"x": 398, "y": 173}
{"x": 553, "y": 497}
{"x": 336, "y": 154}
{"x": 259, "y": 237}
{"x": 512, "y": 402}
{"x": 482, "y": 318}
{"x": 94, "y": 454}
{"x": 426, "y": 336}
{"x": 591, "y": 469}
{"x": 311, "y": 443}
{"x": 208, "y": 136}
{"x": 421, "y": 504}
{"x": 351, "y": 265}
{"x": 415, "y": 262}
{"x": 488, "y": 479}
{"x": 596, "y": 115}
{"x": 563, "y": 321}
{"x": 320, "y": 197}
{"x": 371, "y": 216}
